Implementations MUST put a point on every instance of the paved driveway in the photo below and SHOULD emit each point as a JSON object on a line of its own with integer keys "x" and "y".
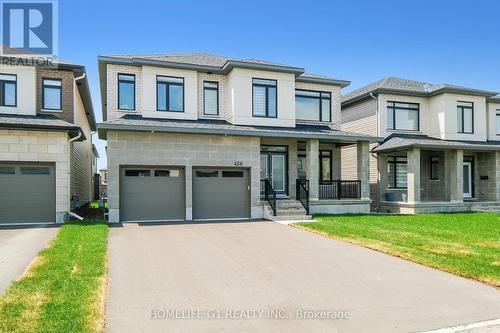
{"x": 18, "y": 247}
{"x": 241, "y": 269}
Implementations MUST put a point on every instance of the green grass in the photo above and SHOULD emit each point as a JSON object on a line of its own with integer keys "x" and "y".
{"x": 63, "y": 290}
{"x": 95, "y": 204}
{"x": 466, "y": 244}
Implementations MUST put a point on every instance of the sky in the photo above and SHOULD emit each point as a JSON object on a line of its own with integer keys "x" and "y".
{"x": 438, "y": 41}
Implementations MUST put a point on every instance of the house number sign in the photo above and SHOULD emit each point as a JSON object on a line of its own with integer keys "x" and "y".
{"x": 238, "y": 163}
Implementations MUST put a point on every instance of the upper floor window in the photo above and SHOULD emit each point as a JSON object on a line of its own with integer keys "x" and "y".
{"x": 51, "y": 94}
{"x": 403, "y": 116}
{"x": 210, "y": 98}
{"x": 126, "y": 91}
{"x": 397, "y": 168}
{"x": 170, "y": 93}
{"x": 465, "y": 117}
{"x": 313, "y": 105}
{"x": 265, "y": 101}
{"x": 8, "y": 90}
{"x": 497, "y": 121}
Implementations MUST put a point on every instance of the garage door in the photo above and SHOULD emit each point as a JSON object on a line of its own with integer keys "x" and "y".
{"x": 27, "y": 193}
{"x": 152, "y": 194}
{"x": 220, "y": 194}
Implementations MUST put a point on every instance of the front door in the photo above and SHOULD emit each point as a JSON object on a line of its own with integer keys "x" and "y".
{"x": 274, "y": 166}
{"x": 467, "y": 180}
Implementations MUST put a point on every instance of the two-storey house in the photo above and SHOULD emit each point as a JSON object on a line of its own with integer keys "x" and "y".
{"x": 198, "y": 136}
{"x": 46, "y": 154}
{"x": 441, "y": 150}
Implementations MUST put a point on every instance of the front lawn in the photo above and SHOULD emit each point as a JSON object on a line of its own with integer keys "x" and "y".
{"x": 64, "y": 288}
{"x": 467, "y": 244}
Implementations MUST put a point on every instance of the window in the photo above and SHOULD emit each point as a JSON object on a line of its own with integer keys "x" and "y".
{"x": 465, "y": 117}
{"x": 126, "y": 92}
{"x": 325, "y": 165}
{"x": 7, "y": 171}
{"x": 170, "y": 93}
{"x": 434, "y": 168}
{"x": 35, "y": 171}
{"x": 313, "y": 105}
{"x": 232, "y": 174}
{"x": 8, "y": 90}
{"x": 51, "y": 95}
{"x": 397, "y": 172}
{"x": 167, "y": 173}
{"x": 497, "y": 121}
{"x": 137, "y": 173}
{"x": 265, "y": 101}
{"x": 403, "y": 116}
{"x": 211, "y": 98}
{"x": 207, "y": 174}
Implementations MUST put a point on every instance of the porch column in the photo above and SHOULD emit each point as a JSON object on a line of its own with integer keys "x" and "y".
{"x": 312, "y": 168}
{"x": 413, "y": 175}
{"x": 363, "y": 150}
{"x": 454, "y": 167}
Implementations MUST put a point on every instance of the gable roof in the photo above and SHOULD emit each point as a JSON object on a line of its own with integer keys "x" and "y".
{"x": 396, "y": 85}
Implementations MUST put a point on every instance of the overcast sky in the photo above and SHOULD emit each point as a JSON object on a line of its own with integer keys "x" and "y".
{"x": 441, "y": 41}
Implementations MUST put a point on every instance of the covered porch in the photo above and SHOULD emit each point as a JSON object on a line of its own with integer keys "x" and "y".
{"x": 309, "y": 171}
{"x": 429, "y": 176}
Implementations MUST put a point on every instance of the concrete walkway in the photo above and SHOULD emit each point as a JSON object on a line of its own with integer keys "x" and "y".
{"x": 18, "y": 247}
{"x": 263, "y": 276}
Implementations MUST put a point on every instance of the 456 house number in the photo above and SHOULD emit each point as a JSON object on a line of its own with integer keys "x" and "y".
{"x": 238, "y": 163}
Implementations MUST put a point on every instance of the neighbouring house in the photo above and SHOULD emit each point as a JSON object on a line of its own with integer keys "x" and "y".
{"x": 441, "y": 148}
{"x": 197, "y": 136}
{"x": 46, "y": 155}
{"x": 104, "y": 181}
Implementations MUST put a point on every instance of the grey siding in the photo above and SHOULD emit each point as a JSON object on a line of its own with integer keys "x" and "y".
{"x": 81, "y": 171}
{"x": 360, "y": 117}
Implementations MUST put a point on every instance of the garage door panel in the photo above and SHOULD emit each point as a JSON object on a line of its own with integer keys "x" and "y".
{"x": 28, "y": 194}
{"x": 154, "y": 194}
{"x": 220, "y": 195}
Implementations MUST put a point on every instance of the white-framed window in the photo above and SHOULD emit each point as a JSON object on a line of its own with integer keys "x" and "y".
{"x": 465, "y": 117}
{"x": 52, "y": 94}
{"x": 403, "y": 116}
{"x": 211, "y": 98}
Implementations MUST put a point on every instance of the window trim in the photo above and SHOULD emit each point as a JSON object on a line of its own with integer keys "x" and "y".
{"x": 462, "y": 131}
{"x": 393, "y": 110}
{"x": 320, "y": 98}
{"x": 266, "y": 99}
{"x": 118, "y": 88}
{"x": 432, "y": 176}
{"x": 167, "y": 93}
{"x": 2, "y": 97}
{"x": 394, "y": 160}
{"x": 51, "y": 86}
{"x": 217, "y": 91}
{"x": 497, "y": 114}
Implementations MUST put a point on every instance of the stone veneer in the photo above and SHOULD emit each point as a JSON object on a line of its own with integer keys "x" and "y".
{"x": 186, "y": 150}
{"x": 41, "y": 146}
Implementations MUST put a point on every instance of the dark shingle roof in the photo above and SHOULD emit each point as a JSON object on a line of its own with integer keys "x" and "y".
{"x": 405, "y": 86}
{"x": 403, "y": 141}
{"x": 139, "y": 123}
{"x": 495, "y": 98}
{"x": 41, "y": 122}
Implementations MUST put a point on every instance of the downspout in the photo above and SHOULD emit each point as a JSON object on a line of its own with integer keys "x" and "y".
{"x": 376, "y": 155}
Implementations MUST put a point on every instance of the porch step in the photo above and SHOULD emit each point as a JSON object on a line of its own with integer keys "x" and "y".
{"x": 486, "y": 207}
{"x": 286, "y": 210}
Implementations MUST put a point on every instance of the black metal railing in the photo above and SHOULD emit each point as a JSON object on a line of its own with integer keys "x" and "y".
{"x": 302, "y": 193}
{"x": 339, "y": 189}
{"x": 268, "y": 193}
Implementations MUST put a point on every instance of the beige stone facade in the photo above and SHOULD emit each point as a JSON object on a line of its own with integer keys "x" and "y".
{"x": 41, "y": 146}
